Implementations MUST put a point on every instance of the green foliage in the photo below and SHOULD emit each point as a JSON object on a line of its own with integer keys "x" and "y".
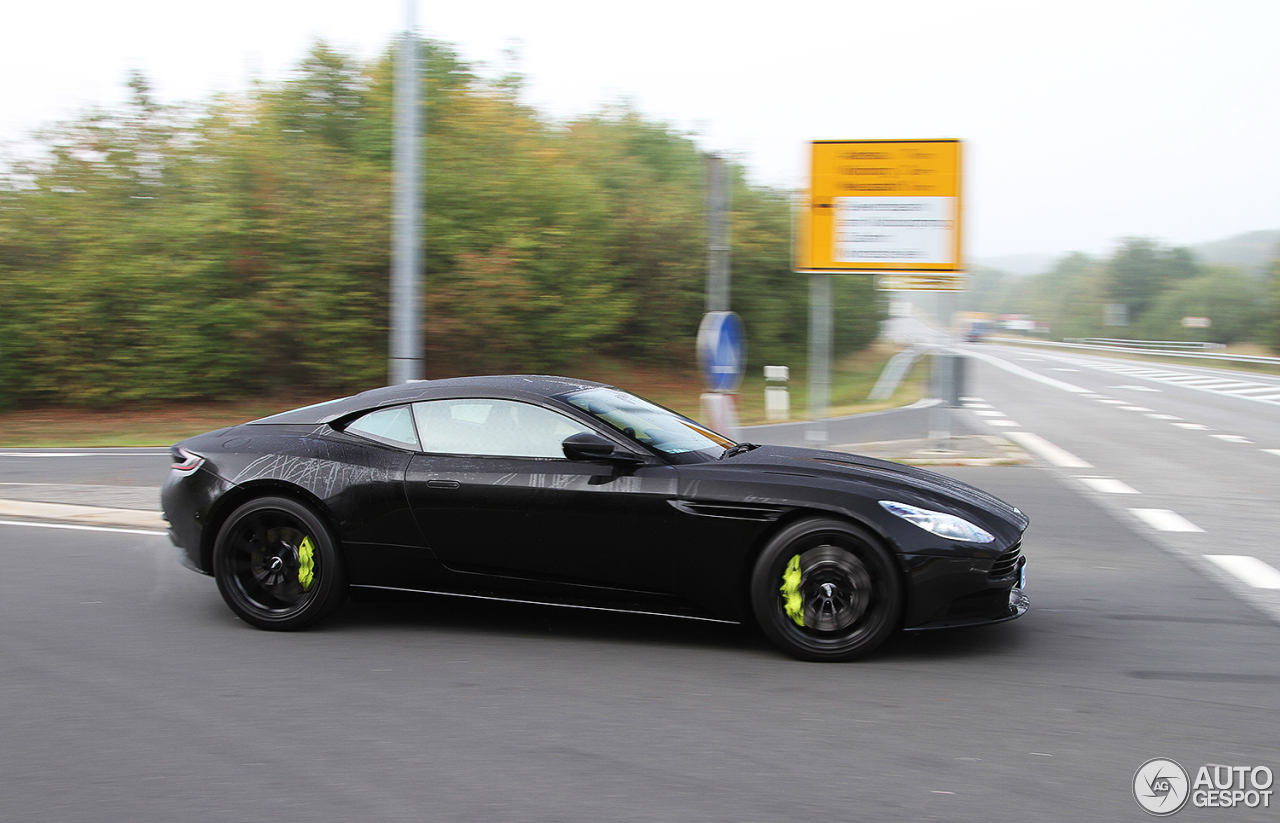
{"x": 1273, "y": 287}
{"x": 1160, "y": 286}
{"x": 1139, "y": 270}
{"x": 243, "y": 248}
{"x": 1231, "y": 300}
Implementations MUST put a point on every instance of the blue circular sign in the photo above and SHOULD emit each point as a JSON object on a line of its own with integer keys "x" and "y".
{"x": 722, "y": 350}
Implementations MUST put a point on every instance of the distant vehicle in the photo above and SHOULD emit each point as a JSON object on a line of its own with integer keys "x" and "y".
{"x": 567, "y": 492}
{"x": 974, "y": 325}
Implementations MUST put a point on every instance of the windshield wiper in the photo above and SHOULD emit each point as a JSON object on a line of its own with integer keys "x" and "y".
{"x": 740, "y": 448}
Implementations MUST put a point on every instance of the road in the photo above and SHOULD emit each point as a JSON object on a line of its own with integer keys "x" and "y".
{"x": 1192, "y": 453}
{"x": 129, "y": 692}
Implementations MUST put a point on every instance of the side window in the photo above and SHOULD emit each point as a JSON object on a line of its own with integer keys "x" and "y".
{"x": 392, "y": 426}
{"x": 503, "y": 428}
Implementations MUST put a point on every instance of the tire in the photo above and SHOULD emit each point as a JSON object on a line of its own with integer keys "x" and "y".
{"x": 822, "y": 590}
{"x": 260, "y": 560}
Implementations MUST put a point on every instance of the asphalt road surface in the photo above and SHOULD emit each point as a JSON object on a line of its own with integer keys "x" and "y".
{"x": 129, "y": 692}
{"x": 1192, "y": 454}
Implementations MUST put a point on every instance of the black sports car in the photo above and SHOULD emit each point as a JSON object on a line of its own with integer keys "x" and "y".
{"x": 552, "y": 490}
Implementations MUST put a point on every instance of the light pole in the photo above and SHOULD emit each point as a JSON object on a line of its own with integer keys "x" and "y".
{"x": 405, "y": 357}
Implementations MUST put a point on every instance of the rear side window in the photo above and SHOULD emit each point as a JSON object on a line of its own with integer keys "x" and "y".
{"x": 393, "y": 426}
{"x": 497, "y": 428}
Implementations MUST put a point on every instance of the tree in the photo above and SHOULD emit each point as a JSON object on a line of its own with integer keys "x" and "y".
{"x": 1140, "y": 269}
{"x": 1230, "y": 299}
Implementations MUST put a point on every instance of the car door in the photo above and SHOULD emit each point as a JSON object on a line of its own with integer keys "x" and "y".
{"x": 494, "y": 495}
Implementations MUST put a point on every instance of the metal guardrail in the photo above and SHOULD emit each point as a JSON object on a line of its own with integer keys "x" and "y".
{"x": 1172, "y": 345}
{"x": 1128, "y": 347}
{"x": 893, "y": 373}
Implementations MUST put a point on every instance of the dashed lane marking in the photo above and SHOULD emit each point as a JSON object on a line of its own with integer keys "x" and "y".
{"x": 1251, "y": 570}
{"x": 1043, "y": 448}
{"x": 1165, "y": 520}
{"x": 1108, "y": 485}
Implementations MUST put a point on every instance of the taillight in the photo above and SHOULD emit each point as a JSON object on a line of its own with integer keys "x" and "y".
{"x": 185, "y": 462}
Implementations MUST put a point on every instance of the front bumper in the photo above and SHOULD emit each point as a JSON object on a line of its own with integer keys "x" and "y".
{"x": 954, "y": 592}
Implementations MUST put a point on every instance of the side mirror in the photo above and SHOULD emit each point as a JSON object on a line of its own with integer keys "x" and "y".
{"x": 591, "y": 446}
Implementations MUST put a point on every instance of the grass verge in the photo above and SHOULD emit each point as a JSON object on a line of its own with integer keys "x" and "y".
{"x": 162, "y": 425}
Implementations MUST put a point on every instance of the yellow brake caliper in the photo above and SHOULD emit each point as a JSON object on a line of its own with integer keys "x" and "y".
{"x": 306, "y": 562}
{"x": 792, "y": 601}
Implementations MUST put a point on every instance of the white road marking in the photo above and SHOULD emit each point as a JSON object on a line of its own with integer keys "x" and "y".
{"x": 1112, "y": 402}
{"x": 1135, "y": 408}
{"x": 1251, "y": 570}
{"x": 1164, "y": 417}
{"x": 4, "y": 454}
{"x": 1027, "y": 373}
{"x": 1165, "y": 520}
{"x": 988, "y": 413}
{"x": 1108, "y": 485}
{"x": 1064, "y": 369}
{"x": 1193, "y": 426}
{"x": 1003, "y": 422}
{"x": 1232, "y": 438}
{"x": 1191, "y": 380}
{"x": 1276, "y": 452}
{"x": 1056, "y": 456}
{"x": 971, "y": 405}
{"x": 75, "y": 527}
{"x": 1225, "y": 385}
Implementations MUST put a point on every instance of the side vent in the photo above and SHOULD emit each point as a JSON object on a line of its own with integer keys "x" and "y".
{"x": 732, "y": 511}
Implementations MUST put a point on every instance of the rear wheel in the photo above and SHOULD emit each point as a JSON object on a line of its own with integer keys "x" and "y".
{"x": 277, "y": 564}
{"x": 822, "y": 590}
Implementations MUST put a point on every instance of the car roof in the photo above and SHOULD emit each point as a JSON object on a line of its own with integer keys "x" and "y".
{"x": 514, "y": 386}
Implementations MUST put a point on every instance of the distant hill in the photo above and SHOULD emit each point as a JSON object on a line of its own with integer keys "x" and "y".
{"x": 1252, "y": 250}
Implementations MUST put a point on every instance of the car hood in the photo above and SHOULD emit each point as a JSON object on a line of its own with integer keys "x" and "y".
{"x": 917, "y": 484}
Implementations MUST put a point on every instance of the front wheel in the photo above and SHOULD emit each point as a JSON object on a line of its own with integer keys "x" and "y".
{"x": 821, "y": 590}
{"x": 277, "y": 564}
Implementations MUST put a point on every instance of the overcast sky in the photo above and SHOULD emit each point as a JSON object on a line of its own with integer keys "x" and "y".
{"x": 1083, "y": 121}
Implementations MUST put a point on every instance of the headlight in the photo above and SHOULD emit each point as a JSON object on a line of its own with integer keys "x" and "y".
{"x": 939, "y": 523}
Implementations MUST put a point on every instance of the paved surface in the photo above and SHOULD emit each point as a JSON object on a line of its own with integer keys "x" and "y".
{"x": 128, "y": 692}
{"x": 131, "y": 506}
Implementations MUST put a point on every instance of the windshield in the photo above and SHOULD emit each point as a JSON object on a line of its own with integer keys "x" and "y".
{"x": 652, "y": 425}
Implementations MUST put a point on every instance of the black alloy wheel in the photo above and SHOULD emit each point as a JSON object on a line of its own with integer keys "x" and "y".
{"x": 277, "y": 564}
{"x": 823, "y": 590}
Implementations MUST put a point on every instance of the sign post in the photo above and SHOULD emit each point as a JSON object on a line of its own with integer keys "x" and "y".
{"x": 881, "y": 207}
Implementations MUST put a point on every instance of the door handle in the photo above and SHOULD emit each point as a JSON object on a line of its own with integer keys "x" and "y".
{"x": 443, "y": 484}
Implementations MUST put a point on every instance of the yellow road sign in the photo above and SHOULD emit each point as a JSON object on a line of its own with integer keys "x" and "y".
{"x": 882, "y": 205}
{"x": 922, "y": 282}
